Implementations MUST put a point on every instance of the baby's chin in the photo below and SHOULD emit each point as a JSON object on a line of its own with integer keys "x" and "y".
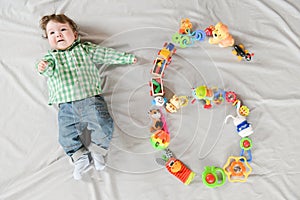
{"x": 61, "y": 47}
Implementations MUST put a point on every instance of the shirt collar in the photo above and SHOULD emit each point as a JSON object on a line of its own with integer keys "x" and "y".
{"x": 75, "y": 43}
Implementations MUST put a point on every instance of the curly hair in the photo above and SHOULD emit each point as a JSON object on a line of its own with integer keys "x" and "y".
{"x": 61, "y": 18}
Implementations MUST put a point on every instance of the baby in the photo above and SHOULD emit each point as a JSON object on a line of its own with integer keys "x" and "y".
{"x": 75, "y": 85}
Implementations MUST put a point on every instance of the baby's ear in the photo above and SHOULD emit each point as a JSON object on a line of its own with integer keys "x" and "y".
{"x": 76, "y": 34}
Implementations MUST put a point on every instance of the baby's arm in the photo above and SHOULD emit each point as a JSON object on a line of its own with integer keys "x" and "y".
{"x": 104, "y": 55}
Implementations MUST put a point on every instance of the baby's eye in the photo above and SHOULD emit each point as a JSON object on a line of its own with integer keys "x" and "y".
{"x": 51, "y": 33}
{"x": 63, "y": 29}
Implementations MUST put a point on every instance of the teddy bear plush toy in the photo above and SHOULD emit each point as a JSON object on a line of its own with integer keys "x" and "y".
{"x": 221, "y": 36}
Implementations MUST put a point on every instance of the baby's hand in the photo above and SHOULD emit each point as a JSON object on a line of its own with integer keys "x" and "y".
{"x": 42, "y": 66}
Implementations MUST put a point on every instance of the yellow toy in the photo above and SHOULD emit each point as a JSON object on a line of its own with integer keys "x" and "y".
{"x": 237, "y": 169}
{"x": 221, "y": 36}
{"x": 176, "y": 102}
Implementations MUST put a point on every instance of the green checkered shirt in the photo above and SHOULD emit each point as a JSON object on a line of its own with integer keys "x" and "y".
{"x": 72, "y": 73}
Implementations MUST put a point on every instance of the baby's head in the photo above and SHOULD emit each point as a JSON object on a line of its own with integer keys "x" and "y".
{"x": 60, "y": 30}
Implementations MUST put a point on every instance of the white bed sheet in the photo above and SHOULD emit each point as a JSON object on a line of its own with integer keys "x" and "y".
{"x": 33, "y": 165}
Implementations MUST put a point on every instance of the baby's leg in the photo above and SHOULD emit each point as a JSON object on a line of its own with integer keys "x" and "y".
{"x": 100, "y": 124}
{"x": 70, "y": 129}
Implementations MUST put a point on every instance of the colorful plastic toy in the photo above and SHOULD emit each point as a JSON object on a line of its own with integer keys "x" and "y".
{"x": 167, "y": 51}
{"x": 208, "y": 95}
{"x": 157, "y": 87}
{"x": 186, "y": 40}
{"x": 241, "y": 52}
{"x": 209, "y": 30}
{"x": 213, "y": 176}
{"x": 182, "y": 40}
{"x": 246, "y": 145}
{"x": 159, "y": 66}
{"x": 185, "y": 26}
{"x": 176, "y": 102}
{"x": 221, "y": 36}
{"x": 244, "y": 111}
{"x": 160, "y": 139}
{"x": 231, "y": 97}
{"x": 242, "y": 126}
{"x": 236, "y": 169}
{"x": 159, "y": 101}
{"x": 163, "y": 60}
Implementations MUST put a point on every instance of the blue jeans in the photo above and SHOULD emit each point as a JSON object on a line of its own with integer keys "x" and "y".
{"x": 90, "y": 113}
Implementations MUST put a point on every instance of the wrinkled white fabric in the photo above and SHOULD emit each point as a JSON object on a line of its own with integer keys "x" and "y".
{"x": 33, "y": 165}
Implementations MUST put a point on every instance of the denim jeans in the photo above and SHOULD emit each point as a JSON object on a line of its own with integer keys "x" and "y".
{"x": 90, "y": 113}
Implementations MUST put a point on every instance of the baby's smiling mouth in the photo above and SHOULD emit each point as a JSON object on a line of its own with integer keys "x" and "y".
{"x": 58, "y": 41}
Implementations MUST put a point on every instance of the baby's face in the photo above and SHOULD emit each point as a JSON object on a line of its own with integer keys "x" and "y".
{"x": 60, "y": 36}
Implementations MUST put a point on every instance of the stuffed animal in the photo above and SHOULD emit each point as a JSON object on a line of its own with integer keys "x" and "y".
{"x": 157, "y": 123}
{"x": 221, "y": 36}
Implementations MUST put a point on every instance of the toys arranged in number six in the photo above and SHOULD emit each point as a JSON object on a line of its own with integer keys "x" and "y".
{"x": 237, "y": 168}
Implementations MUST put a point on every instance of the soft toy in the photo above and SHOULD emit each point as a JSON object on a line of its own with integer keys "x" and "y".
{"x": 157, "y": 123}
{"x": 221, "y": 36}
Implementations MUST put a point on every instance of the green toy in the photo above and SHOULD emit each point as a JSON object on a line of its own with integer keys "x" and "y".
{"x": 213, "y": 176}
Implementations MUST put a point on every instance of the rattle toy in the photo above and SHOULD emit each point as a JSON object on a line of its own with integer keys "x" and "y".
{"x": 242, "y": 126}
{"x": 221, "y": 36}
{"x": 176, "y": 167}
{"x": 246, "y": 145}
{"x": 176, "y": 102}
{"x": 208, "y": 95}
{"x": 241, "y": 52}
{"x": 236, "y": 170}
{"x": 213, "y": 176}
{"x": 160, "y": 139}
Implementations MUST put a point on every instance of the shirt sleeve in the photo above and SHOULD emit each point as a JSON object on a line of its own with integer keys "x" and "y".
{"x": 50, "y": 67}
{"x": 104, "y": 55}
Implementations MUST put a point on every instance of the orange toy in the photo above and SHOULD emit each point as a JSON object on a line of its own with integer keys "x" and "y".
{"x": 185, "y": 26}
